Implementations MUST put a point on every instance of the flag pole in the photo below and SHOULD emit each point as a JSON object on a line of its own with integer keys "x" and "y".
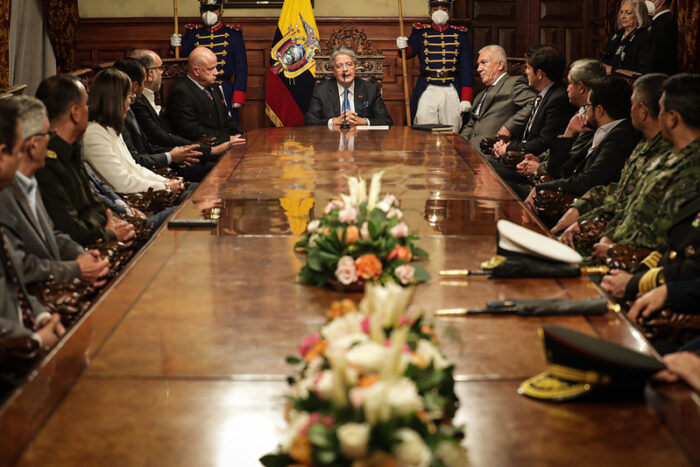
{"x": 177, "y": 49}
{"x": 405, "y": 74}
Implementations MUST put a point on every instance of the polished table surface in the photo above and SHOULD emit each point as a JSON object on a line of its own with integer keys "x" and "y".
{"x": 182, "y": 361}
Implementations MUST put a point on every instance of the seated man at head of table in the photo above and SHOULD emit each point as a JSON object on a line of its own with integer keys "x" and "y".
{"x": 345, "y": 98}
{"x": 63, "y": 183}
{"x": 503, "y": 107}
{"x": 43, "y": 253}
{"x": 20, "y": 314}
{"x": 196, "y": 106}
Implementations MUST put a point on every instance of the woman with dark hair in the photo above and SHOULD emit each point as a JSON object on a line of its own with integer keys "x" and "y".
{"x": 103, "y": 146}
{"x": 630, "y": 47}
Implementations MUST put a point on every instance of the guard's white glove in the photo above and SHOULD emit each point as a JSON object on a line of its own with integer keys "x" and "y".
{"x": 176, "y": 40}
{"x": 402, "y": 42}
{"x": 465, "y": 106}
{"x": 237, "y": 105}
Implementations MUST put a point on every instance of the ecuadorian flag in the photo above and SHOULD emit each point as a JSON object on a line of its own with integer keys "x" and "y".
{"x": 290, "y": 76}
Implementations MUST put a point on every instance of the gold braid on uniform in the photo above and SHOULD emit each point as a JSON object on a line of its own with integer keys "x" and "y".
{"x": 651, "y": 280}
{"x": 652, "y": 260}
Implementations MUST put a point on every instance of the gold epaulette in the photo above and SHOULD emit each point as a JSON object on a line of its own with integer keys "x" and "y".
{"x": 652, "y": 259}
{"x": 651, "y": 280}
{"x": 460, "y": 28}
{"x": 421, "y": 26}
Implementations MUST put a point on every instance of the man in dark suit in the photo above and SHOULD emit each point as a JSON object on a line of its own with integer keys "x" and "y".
{"x": 148, "y": 114}
{"x": 20, "y": 314}
{"x": 502, "y": 109}
{"x": 345, "y": 98}
{"x": 614, "y": 139}
{"x": 196, "y": 108}
{"x": 664, "y": 39}
{"x": 42, "y": 252}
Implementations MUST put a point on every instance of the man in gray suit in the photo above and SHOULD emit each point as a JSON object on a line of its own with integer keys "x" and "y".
{"x": 502, "y": 109}
{"x": 20, "y": 314}
{"x": 42, "y": 252}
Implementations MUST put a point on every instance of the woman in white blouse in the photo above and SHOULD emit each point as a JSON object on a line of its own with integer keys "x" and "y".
{"x": 103, "y": 146}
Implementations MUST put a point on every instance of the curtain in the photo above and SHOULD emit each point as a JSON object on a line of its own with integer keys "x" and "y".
{"x": 62, "y": 18}
{"x": 688, "y": 14}
{"x": 4, "y": 43}
{"x": 31, "y": 55}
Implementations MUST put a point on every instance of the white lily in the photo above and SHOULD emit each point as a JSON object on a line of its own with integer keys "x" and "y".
{"x": 374, "y": 188}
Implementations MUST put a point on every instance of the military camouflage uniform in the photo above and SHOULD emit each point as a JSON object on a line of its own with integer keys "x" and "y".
{"x": 605, "y": 201}
{"x": 667, "y": 182}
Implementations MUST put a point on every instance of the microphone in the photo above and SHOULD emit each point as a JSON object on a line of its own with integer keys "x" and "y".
{"x": 345, "y": 125}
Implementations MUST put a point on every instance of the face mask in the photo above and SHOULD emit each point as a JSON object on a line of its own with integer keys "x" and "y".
{"x": 440, "y": 17}
{"x": 210, "y": 18}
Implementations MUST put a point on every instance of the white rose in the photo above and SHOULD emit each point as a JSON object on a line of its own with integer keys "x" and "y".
{"x": 353, "y": 439}
{"x": 312, "y": 240}
{"x": 368, "y": 356}
{"x": 405, "y": 273}
{"x": 403, "y": 397}
{"x": 357, "y": 395}
{"x": 452, "y": 454}
{"x": 335, "y": 204}
{"x": 430, "y": 353}
{"x": 313, "y": 225}
{"x": 345, "y": 272}
{"x": 411, "y": 451}
{"x": 343, "y": 343}
{"x": 364, "y": 232}
{"x": 343, "y": 326}
{"x": 393, "y": 212}
{"x": 399, "y": 230}
{"x": 389, "y": 199}
{"x": 324, "y": 383}
{"x": 383, "y": 205}
{"x": 348, "y": 214}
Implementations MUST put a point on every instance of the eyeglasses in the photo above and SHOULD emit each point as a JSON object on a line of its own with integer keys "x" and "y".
{"x": 586, "y": 106}
{"x": 161, "y": 68}
{"x": 340, "y": 66}
{"x": 50, "y": 133}
{"x": 132, "y": 98}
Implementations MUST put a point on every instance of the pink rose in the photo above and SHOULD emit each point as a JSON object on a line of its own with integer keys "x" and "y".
{"x": 308, "y": 342}
{"x": 389, "y": 200}
{"x": 399, "y": 230}
{"x": 365, "y": 325}
{"x": 345, "y": 271}
{"x": 393, "y": 212}
{"x": 405, "y": 273}
{"x": 334, "y": 204}
{"x": 364, "y": 232}
{"x": 348, "y": 214}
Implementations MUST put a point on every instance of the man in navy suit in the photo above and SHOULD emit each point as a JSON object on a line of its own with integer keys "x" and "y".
{"x": 346, "y": 98}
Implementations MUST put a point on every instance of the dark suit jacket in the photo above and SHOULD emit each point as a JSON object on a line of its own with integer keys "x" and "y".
{"x": 193, "y": 115}
{"x": 325, "y": 103}
{"x": 664, "y": 39}
{"x": 145, "y": 154}
{"x": 157, "y": 130}
{"x": 583, "y": 171}
{"x": 639, "y": 55}
{"x": 41, "y": 251}
{"x": 553, "y": 114}
{"x": 508, "y": 103}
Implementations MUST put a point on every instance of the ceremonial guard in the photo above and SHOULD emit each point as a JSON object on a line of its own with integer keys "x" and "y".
{"x": 226, "y": 41}
{"x": 444, "y": 88}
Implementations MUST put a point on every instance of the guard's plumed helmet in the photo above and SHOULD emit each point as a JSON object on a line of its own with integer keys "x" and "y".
{"x": 210, "y": 4}
{"x": 432, "y": 3}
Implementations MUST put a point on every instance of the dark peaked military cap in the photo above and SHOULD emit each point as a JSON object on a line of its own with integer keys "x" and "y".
{"x": 581, "y": 366}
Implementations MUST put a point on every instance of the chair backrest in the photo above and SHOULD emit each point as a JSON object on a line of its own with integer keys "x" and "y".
{"x": 516, "y": 66}
{"x": 370, "y": 63}
{"x": 173, "y": 70}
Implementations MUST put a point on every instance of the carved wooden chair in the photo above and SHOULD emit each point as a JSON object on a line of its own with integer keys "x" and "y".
{"x": 370, "y": 62}
{"x": 173, "y": 70}
{"x": 516, "y": 66}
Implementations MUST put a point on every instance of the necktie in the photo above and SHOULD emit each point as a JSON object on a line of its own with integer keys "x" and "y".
{"x": 528, "y": 127}
{"x": 22, "y": 301}
{"x": 483, "y": 99}
{"x": 346, "y": 101}
{"x": 208, "y": 91}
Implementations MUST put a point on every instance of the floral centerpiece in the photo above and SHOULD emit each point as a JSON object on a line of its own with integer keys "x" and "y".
{"x": 372, "y": 388}
{"x": 361, "y": 238}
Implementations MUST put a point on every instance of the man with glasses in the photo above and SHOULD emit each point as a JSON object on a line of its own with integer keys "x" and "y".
{"x": 345, "y": 99}
{"x": 42, "y": 252}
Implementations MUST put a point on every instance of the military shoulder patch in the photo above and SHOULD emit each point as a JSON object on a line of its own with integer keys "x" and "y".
{"x": 191, "y": 26}
{"x": 420, "y": 26}
{"x": 235, "y": 27}
{"x": 460, "y": 28}
{"x": 51, "y": 155}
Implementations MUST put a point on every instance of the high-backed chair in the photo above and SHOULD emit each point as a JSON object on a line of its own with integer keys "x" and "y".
{"x": 370, "y": 62}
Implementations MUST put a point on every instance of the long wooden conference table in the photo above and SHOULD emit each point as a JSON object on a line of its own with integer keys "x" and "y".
{"x": 181, "y": 362}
